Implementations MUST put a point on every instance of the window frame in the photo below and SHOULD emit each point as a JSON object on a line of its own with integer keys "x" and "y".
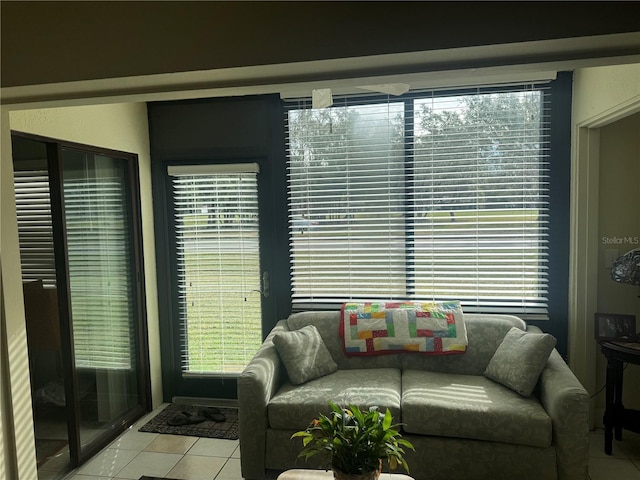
{"x": 217, "y": 130}
{"x": 175, "y": 382}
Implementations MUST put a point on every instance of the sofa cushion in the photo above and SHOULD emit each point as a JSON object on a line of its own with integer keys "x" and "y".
{"x": 293, "y": 407}
{"x": 304, "y": 354}
{"x": 473, "y": 407}
{"x": 520, "y": 359}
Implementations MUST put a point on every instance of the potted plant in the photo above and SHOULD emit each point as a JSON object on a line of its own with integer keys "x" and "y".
{"x": 355, "y": 443}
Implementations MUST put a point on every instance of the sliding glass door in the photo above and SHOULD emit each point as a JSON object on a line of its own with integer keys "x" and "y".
{"x": 80, "y": 246}
{"x": 98, "y": 218}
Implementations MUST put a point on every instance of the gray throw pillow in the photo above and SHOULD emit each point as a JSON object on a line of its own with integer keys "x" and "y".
{"x": 520, "y": 359}
{"x": 304, "y": 354}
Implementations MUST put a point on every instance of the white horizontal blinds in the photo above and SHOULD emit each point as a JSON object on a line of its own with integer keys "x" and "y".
{"x": 218, "y": 268}
{"x": 35, "y": 230}
{"x": 98, "y": 228}
{"x": 449, "y": 202}
{"x": 479, "y": 183}
{"x": 346, "y": 202}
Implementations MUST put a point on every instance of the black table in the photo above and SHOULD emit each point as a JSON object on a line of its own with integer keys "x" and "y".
{"x": 616, "y": 417}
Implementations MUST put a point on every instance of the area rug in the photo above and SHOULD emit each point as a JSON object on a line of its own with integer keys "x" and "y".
{"x": 228, "y": 430}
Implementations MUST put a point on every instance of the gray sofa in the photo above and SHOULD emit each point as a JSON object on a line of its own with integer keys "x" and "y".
{"x": 463, "y": 425}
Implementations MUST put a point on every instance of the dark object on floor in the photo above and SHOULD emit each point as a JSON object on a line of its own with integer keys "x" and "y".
{"x": 144, "y": 477}
{"x": 212, "y": 413}
{"x": 185, "y": 418}
{"x": 227, "y": 429}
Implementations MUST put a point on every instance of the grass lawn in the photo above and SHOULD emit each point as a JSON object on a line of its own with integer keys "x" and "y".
{"x": 224, "y": 327}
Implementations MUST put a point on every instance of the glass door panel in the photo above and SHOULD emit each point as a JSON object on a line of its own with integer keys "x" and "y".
{"x": 37, "y": 259}
{"x": 102, "y": 288}
{"x": 218, "y": 267}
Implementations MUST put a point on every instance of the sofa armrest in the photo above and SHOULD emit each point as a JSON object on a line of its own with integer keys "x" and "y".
{"x": 256, "y": 385}
{"x": 567, "y": 403}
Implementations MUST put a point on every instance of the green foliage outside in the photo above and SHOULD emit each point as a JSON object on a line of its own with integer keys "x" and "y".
{"x": 500, "y": 134}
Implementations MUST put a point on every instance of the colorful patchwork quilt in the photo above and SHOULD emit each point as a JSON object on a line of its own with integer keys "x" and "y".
{"x": 371, "y": 328}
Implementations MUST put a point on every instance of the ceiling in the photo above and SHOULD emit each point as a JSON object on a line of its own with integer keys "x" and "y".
{"x": 78, "y": 52}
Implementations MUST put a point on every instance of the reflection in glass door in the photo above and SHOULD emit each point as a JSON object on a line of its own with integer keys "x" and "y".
{"x": 102, "y": 288}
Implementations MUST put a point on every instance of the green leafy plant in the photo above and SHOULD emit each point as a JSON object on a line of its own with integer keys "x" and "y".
{"x": 355, "y": 442}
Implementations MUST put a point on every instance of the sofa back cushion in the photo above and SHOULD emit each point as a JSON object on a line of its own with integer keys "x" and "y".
{"x": 484, "y": 333}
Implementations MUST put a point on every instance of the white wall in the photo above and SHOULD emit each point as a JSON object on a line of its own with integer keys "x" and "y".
{"x": 603, "y": 89}
{"x": 602, "y": 97}
{"x": 17, "y": 452}
{"x": 619, "y": 218}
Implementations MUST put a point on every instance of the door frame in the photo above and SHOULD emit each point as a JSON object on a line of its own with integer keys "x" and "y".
{"x": 583, "y": 261}
{"x": 232, "y": 130}
{"x": 209, "y": 386}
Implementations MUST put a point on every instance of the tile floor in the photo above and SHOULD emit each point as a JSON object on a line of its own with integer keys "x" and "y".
{"x": 624, "y": 464}
{"x": 135, "y": 454}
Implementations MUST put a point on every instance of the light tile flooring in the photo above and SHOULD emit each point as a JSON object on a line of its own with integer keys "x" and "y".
{"x": 624, "y": 464}
{"x": 135, "y": 454}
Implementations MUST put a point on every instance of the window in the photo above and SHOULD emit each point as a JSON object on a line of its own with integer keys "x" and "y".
{"x": 436, "y": 196}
